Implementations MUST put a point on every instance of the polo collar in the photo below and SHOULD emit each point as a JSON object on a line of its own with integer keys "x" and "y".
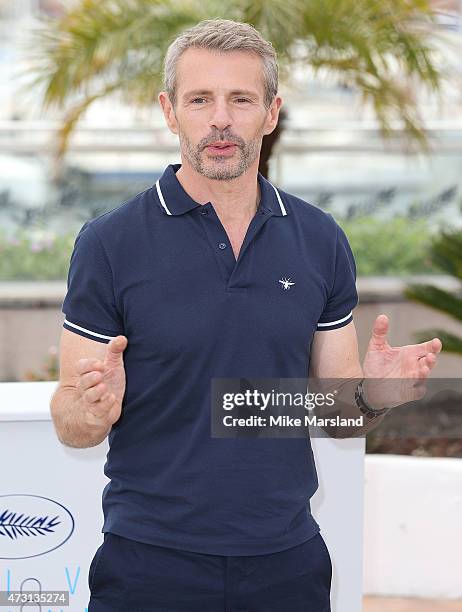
{"x": 174, "y": 200}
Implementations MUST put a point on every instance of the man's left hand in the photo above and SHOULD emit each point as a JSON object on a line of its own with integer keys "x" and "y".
{"x": 410, "y": 362}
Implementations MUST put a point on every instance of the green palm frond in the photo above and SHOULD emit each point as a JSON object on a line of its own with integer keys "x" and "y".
{"x": 446, "y": 252}
{"x": 377, "y": 48}
{"x": 74, "y": 114}
{"x": 381, "y": 48}
{"x": 436, "y": 298}
{"x": 450, "y": 342}
{"x": 98, "y": 41}
{"x": 278, "y": 21}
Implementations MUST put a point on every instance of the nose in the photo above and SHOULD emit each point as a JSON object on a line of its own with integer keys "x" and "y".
{"x": 221, "y": 116}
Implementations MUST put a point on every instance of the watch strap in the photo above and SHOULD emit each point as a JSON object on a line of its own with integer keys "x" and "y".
{"x": 364, "y": 406}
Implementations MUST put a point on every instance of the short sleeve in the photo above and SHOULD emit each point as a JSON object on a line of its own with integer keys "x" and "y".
{"x": 343, "y": 297}
{"x": 89, "y": 305}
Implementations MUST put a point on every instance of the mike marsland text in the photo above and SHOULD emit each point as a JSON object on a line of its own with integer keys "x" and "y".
{"x": 288, "y": 421}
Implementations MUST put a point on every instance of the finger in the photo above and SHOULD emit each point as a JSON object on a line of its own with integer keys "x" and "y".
{"x": 90, "y": 379}
{"x": 102, "y": 407}
{"x": 424, "y": 371}
{"x": 94, "y": 394}
{"x": 413, "y": 392}
{"x": 88, "y": 364}
{"x": 430, "y": 346}
{"x": 429, "y": 360}
{"x": 379, "y": 331}
{"x": 105, "y": 402}
{"x": 419, "y": 393}
{"x": 115, "y": 349}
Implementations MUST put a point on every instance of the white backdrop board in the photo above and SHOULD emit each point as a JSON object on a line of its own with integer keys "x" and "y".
{"x": 42, "y": 478}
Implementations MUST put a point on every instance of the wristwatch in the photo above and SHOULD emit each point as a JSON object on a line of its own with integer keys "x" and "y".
{"x": 364, "y": 406}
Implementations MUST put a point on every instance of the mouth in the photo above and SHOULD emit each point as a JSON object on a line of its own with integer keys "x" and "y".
{"x": 222, "y": 148}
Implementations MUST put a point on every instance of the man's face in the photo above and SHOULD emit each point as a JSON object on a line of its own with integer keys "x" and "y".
{"x": 219, "y": 115}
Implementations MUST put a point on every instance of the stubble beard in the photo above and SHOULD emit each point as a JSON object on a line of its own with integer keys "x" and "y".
{"x": 220, "y": 167}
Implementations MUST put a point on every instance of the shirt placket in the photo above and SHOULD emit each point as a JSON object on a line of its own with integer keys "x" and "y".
{"x": 230, "y": 269}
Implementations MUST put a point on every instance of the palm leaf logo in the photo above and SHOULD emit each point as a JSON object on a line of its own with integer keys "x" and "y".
{"x": 14, "y": 525}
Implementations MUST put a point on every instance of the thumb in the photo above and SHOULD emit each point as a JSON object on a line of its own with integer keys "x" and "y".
{"x": 379, "y": 332}
{"x": 115, "y": 349}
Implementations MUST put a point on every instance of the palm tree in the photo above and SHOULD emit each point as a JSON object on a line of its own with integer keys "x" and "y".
{"x": 446, "y": 252}
{"x": 382, "y": 48}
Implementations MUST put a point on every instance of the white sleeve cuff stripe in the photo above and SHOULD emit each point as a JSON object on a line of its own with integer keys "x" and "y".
{"x": 87, "y": 331}
{"x": 335, "y": 322}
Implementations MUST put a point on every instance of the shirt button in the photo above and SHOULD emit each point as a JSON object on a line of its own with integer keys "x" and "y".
{"x": 222, "y": 245}
{"x": 203, "y": 212}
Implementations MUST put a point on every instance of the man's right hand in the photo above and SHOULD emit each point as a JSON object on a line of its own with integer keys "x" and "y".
{"x": 102, "y": 385}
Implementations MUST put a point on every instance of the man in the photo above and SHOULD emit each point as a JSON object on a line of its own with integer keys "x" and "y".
{"x": 211, "y": 273}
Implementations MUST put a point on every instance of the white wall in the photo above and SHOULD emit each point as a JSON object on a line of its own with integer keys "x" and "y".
{"x": 413, "y": 526}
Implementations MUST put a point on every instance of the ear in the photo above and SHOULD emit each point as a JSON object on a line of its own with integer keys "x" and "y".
{"x": 272, "y": 115}
{"x": 169, "y": 112}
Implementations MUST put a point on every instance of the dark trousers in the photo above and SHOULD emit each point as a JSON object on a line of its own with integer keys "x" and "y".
{"x": 137, "y": 577}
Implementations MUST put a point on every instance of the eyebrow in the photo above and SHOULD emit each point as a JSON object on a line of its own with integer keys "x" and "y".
{"x": 207, "y": 92}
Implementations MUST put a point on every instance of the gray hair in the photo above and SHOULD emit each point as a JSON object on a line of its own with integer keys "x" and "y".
{"x": 222, "y": 35}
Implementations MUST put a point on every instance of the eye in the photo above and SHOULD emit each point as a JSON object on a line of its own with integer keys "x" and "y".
{"x": 194, "y": 100}
{"x": 242, "y": 100}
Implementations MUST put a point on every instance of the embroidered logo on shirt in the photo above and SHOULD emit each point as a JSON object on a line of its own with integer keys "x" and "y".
{"x": 286, "y": 283}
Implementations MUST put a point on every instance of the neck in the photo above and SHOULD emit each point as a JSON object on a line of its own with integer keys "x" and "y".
{"x": 235, "y": 199}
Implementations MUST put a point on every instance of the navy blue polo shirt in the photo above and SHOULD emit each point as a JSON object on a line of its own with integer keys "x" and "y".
{"x": 160, "y": 270}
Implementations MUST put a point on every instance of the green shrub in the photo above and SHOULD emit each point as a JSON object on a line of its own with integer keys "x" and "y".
{"x": 36, "y": 255}
{"x": 392, "y": 247}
